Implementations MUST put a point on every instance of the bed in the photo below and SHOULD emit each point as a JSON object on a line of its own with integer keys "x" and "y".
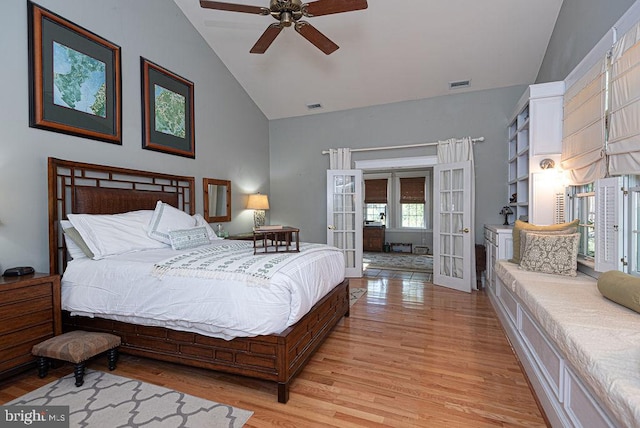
{"x": 81, "y": 188}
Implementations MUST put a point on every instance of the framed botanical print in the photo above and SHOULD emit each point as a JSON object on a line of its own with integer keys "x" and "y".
{"x": 167, "y": 110}
{"x": 75, "y": 79}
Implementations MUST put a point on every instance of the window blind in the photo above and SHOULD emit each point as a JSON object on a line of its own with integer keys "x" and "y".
{"x": 583, "y": 127}
{"x": 623, "y": 146}
{"x": 412, "y": 190}
{"x": 375, "y": 191}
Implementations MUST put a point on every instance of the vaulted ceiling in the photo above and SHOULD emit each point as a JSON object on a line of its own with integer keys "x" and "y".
{"x": 393, "y": 51}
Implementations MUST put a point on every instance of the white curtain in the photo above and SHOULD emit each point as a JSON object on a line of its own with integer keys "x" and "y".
{"x": 340, "y": 158}
{"x": 623, "y": 146}
{"x": 451, "y": 151}
{"x": 583, "y": 127}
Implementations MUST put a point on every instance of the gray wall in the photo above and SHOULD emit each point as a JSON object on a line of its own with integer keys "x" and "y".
{"x": 580, "y": 26}
{"x": 298, "y": 169}
{"x": 232, "y": 135}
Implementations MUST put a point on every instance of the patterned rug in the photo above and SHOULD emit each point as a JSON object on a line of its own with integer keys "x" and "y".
{"x": 398, "y": 261}
{"x": 355, "y": 294}
{"x": 106, "y": 400}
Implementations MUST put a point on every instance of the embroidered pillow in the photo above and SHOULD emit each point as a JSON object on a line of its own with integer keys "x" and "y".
{"x": 200, "y": 221}
{"x": 555, "y": 254}
{"x": 188, "y": 238}
{"x": 523, "y": 225}
{"x": 166, "y": 218}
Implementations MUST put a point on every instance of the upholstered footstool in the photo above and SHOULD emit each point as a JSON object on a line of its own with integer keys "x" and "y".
{"x": 76, "y": 347}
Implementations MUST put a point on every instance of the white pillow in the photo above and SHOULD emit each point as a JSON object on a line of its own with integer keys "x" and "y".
{"x": 111, "y": 234}
{"x": 165, "y": 219}
{"x": 200, "y": 221}
{"x": 76, "y": 247}
{"x": 189, "y": 238}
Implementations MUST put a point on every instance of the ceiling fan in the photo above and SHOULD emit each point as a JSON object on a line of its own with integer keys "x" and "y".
{"x": 289, "y": 12}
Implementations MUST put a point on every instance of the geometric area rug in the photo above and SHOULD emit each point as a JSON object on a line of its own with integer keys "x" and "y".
{"x": 399, "y": 261}
{"x": 355, "y": 294}
{"x": 107, "y": 400}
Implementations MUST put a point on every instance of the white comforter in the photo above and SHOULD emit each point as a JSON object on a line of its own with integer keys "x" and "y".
{"x": 124, "y": 288}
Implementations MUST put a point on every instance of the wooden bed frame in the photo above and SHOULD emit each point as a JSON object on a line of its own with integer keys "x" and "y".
{"x": 76, "y": 187}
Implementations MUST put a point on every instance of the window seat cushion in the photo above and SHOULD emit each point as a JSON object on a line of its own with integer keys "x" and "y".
{"x": 599, "y": 338}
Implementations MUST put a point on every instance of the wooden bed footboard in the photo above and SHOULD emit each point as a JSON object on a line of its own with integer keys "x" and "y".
{"x": 276, "y": 357}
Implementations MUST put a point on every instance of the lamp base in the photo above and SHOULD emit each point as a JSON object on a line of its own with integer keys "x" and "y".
{"x": 258, "y": 218}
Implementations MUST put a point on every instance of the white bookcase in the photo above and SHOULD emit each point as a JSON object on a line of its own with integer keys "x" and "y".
{"x": 535, "y": 133}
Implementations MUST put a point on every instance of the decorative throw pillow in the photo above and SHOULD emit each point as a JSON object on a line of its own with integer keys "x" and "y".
{"x": 622, "y": 288}
{"x": 188, "y": 238}
{"x": 200, "y": 221}
{"x": 523, "y": 225}
{"x": 555, "y": 254}
{"x": 524, "y": 233}
{"x": 166, "y": 218}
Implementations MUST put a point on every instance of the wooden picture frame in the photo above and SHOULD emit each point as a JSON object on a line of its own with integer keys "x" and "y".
{"x": 75, "y": 84}
{"x": 167, "y": 111}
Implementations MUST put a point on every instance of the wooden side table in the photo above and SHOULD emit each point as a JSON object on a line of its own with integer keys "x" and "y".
{"x": 280, "y": 240}
{"x": 29, "y": 313}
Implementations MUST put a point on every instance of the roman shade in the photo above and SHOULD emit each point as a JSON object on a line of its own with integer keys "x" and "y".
{"x": 583, "y": 127}
{"x": 623, "y": 145}
{"x": 375, "y": 191}
{"x": 412, "y": 190}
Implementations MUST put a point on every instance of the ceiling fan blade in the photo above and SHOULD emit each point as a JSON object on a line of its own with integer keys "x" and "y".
{"x": 266, "y": 39}
{"x": 232, "y": 7}
{"x": 327, "y": 7}
{"x": 318, "y": 39}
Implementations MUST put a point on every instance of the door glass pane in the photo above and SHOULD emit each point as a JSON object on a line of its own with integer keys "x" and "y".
{"x": 457, "y": 176}
{"x": 350, "y": 258}
{"x": 457, "y": 223}
{"x": 338, "y": 221}
{"x": 350, "y": 239}
{"x": 445, "y": 223}
{"x": 445, "y": 267}
{"x": 456, "y": 201}
{"x": 338, "y": 205}
{"x": 349, "y": 184}
{"x": 337, "y": 240}
{"x": 349, "y": 203}
{"x": 457, "y": 245}
{"x": 457, "y": 268}
{"x": 338, "y": 183}
{"x": 445, "y": 201}
{"x": 445, "y": 180}
{"x": 445, "y": 247}
{"x": 350, "y": 221}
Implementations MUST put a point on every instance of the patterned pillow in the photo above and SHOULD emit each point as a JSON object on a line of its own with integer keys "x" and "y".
{"x": 188, "y": 238}
{"x": 555, "y": 254}
{"x": 166, "y": 218}
{"x": 523, "y": 225}
{"x": 524, "y": 233}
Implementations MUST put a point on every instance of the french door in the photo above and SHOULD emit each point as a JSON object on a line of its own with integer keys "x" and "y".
{"x": 452, "y": 226}
{"x": 344, "y": 216}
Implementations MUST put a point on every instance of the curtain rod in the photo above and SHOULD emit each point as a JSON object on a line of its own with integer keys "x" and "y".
{"x": 406, "y": 146}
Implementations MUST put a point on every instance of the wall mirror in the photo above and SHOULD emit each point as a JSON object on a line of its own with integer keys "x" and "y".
{"x": 217, "y": 199}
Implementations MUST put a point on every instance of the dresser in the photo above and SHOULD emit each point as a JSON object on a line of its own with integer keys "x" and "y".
{"x": 373, "y": 238}
{"x": 29, "y": 314}
{"x": 498, "y": 241}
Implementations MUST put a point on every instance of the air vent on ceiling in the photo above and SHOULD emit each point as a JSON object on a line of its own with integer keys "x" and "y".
{"x": 314, "y": 106}
{"x": 459, "y": 84}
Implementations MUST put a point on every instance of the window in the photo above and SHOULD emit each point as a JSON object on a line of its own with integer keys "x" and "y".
{"x": 582, "y": 206}
{"x": 375, "y": 200}
{"x": 412, "y": 202}
{"x": 634, "y": 215}
{"x": 399, "y": 200}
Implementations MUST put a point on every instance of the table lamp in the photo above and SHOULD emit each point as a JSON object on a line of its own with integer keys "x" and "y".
{"x": 258, "y": 203}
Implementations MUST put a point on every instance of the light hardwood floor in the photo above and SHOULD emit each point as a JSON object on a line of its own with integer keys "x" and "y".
{"x": 410, "y": 355}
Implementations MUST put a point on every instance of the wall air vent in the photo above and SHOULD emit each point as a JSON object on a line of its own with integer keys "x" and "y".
{"x": 459, "y": 84}
{"x": 314, "y": 106}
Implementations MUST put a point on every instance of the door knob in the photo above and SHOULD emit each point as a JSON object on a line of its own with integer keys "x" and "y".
{"x": 465, "y": 230}
{"x": 331, "y": 227}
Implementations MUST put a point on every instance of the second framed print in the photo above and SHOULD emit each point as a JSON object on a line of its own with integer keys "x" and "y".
{"x": 167, "y": 111}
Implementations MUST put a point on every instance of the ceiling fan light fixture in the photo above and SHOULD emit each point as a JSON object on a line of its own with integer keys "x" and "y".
{"x": 286, "y": 19}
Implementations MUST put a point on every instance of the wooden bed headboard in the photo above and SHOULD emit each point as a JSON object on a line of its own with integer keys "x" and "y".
{"x": 76, "y": 188}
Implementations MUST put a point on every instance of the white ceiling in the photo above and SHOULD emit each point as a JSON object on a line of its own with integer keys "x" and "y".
{"x": 396, "y": 50}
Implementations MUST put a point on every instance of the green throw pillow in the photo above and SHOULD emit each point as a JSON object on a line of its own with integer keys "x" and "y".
{"x": 621, "y": 288}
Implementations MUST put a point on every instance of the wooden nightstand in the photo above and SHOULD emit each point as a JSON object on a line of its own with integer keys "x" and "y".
{"x": 29, "y": 313}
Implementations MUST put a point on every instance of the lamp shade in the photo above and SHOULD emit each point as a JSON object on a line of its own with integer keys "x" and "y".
{"x": 258, "y": 201}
